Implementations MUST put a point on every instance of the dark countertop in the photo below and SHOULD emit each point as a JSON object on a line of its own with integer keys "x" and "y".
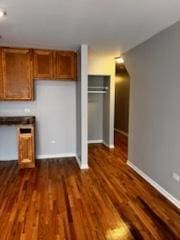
{"x": 17, "y": 120}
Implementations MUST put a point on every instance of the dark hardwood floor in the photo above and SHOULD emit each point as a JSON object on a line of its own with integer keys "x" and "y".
{"x": 57, "y": 201}
{"x": 121, "y": 145}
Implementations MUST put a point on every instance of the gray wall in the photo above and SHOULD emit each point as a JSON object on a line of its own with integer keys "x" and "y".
{"x": 95, "y": 117}
{"x": 55, "y": 111}
{"x": 98, "y": 117}
{"x": 122, "y": 102}
{"x": 154, "y": 134}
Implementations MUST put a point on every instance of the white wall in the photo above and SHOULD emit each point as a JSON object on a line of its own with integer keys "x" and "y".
{"x": 104, "y": 64}
{"x": 55, "y": 111}
{"x": 154, "y": 131}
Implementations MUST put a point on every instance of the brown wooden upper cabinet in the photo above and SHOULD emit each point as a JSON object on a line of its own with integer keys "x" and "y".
{"x": 17, "y": 74}
{"x": 19, "y": 66}
{"x": 65, "y": 65}
{"x": 54, "y": 65}
{"x": 43, "y": 64}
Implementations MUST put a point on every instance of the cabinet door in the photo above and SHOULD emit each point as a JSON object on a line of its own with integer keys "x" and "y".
{"x": 43, "y": 64}
{"x": 1, "y": 77}
{"x": 17, "y": 74}
{"x": 26, "y": 148}
{"x": 65, "y": 65}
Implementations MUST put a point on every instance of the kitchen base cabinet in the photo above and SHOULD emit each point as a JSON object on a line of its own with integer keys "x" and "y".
{"x": 26, "y": 146}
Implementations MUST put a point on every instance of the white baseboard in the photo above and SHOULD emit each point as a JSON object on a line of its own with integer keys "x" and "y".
{"x": 108, "y": 145}
{"x": 95, "y": 141}
{"x": 81, "y": 166}
{"x": 167, "y": 195}
{"x": 78, "y": 161}
{"x": 111, "y": 146}
{"x": 11, "y": 158}
{"x": 64, "y": 155}
{"x": 84, "y": 167}
{"x": 101, "y": 141}
{"x": 8, "y": 160}
{"x": 122, "y": 132}
{"x": 59, "y": 155}
{"x": 43, "y": 156}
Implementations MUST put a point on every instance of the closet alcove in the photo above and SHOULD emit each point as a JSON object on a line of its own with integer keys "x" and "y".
{"x": 98, "y": 109}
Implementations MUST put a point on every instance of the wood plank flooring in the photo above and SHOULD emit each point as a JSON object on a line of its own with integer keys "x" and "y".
{"x": 121, "y": 144}
{"x": 57, "y": 201}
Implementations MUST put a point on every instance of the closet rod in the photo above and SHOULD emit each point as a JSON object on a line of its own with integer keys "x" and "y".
{"x": 98, "y": 87}
{"x": 98, "y": 92}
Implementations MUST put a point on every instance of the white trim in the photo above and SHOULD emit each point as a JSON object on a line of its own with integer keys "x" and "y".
{"x": 111, "y": 104}
{"x": 111, "y": 146}
{"x": 167, "y": 195}
{"x": 8, "y": 159}
{"x": 95, "y": 141}
{"x": 101, "y": 141}
{"x": 59, "y": 155}
{"x": 108, "y": 145}
{"x": 81, "y": 166}
{"x": 122, "y": 132}
{"x": 84, "y": 104}
{"x": 43, "y": 156}
{"x": 78, "y": 161}
{"x": 84, "y": 167}
{"x": 64, "y": 155}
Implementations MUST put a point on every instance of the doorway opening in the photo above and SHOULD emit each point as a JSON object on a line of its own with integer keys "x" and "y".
{"x": 98, "y": 109}
{"x": 121, "y": 120}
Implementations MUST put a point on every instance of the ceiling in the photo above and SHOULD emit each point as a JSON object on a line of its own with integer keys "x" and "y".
{"x": 105, "y": 25}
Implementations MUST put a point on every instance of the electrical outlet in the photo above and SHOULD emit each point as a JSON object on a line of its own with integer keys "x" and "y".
{"x": 27, "y": 110}
{"x": 53, "y": 141}
{"x": 176, "y": 177}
